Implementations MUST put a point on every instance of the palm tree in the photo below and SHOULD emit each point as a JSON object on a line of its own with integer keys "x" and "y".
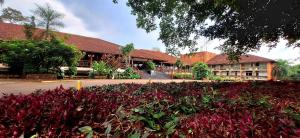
{"x": 126, "y": 51}
{"x": 48, "y": 18}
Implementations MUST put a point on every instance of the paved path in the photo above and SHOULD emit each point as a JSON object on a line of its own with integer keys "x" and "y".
{"x": 25, "y": 86}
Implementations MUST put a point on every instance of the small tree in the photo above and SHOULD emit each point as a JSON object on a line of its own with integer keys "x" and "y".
{"x": 200, "y": 71}
{"x": 150, "y": 66}
{"x": 179, "y": 63}
{"x": 12, "y": 15}
{"x": 126, "y": 52}
{"x": 29, "y": 28}
{"x": 280, "y": 69}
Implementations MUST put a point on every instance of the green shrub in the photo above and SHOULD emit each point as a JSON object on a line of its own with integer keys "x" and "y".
{"x": 200, "y": 71}
{"x": 130, "y": 74}
{"x": 183, "y": 76}
{"x": 215, "y": 78}
{"x": 31, "y": 56}
{"x": 150, "y": 66}
{"x": 100, "y": 68}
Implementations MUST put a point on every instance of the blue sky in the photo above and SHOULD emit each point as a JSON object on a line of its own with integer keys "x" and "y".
{"x": 113, "y": 22}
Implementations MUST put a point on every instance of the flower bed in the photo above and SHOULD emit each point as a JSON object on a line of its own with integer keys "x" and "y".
{"x": 256, "y": 109}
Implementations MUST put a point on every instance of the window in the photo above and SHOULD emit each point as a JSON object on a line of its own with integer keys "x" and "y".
{"x": 256, "y": 64}
{"x": 248, "y": 73}
{"x": 227, "y": 73}
{"x": 257, "y": 73}
{"x": 235, "y": 73}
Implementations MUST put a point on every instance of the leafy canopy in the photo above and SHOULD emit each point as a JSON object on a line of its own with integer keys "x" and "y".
{"x": 244, "y": 24}
{"x": 200, "y": 71}
{"x": 12, "y": 15}
{"x": 30, "y": 56}
{"x": 281, "y": 69}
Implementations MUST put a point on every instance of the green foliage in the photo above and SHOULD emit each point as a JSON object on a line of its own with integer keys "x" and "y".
{"x": 29, "y": 56}
{"x": 29, "y": 28}
{"x": 72, "y": 71}
{"x": 12, "y": 15}
{"x": 294, "y": 72}
{"x": 126, "y": 51}
{"x": 252, "y": 23}
{"x": 100, "y": 68}
{"x": 154, "y": 116}
{"x": 130, "y": 74}
{"x": 48, "y": 18}
{"x": 87, "y": 130}
{"x": 179, "y": 63}
{"x": 216, "y": 78}
{"x": 149, "y": 65}
{"x": 200, "y": 71}
{"x": 183, "y": 76}
{"x": 281, "y": 69}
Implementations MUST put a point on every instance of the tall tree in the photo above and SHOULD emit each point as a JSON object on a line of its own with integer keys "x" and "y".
{"x": 245, "y": 25}
{"x": 126, "y": 52}
{"x": 281, "y": 69}
{"x": 48, "y": 18}
{"x": 12, "y": 15}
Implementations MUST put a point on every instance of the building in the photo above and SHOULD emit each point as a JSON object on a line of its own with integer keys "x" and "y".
{"x": 94, "y": 48}
{"x": 249, "y": 67}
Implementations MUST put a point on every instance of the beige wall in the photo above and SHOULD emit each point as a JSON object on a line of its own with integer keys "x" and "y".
{"x": 246, "y": 71}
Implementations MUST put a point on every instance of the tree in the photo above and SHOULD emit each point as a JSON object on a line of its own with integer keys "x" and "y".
{"x": 280, "y": 69}
{"x": 48, "y": 18}
{"x": 29, "y": 28}
{"x": 12, "y": 15}
{"x": 30, "y": 56}
{"x": 126, "y": 51}
{"x": 244, "y": 24}
{"x": 294, "y": 72}
{"x": 200, "y": 71}
{"x": 179, "y": 63}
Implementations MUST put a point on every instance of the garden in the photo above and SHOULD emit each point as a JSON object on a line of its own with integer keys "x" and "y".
{"x": 189, "y": 109}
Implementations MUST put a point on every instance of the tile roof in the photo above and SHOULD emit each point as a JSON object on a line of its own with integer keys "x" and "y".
{"x": 190, "y": 59}
{"x": 87, "y": 44}
{"x": 223, "y": 59}
{"x": 154, "y": 55}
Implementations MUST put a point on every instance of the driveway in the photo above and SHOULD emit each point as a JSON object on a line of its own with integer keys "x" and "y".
{"x": 26, "y": 86}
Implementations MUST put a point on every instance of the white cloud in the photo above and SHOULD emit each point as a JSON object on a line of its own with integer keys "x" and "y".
{"x": 72, "y": 23}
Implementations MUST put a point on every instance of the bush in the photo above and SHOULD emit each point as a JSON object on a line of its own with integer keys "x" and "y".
{"x": 150, "y": 66}
{"x": 130, "y": 74}
{"x": 200, "y": 71}
{"x": 100, "y": 68}
{"x": 260, "y": 109}
{"x": 183, "y": 76}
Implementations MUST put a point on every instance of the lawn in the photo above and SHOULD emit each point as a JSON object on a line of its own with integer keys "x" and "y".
{"x": 191, "y": 109}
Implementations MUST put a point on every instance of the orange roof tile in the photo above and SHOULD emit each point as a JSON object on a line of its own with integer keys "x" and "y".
{"x": 87, "y": 44}
{"x": 223, "y": 59}
{"x": 190, "y": 59}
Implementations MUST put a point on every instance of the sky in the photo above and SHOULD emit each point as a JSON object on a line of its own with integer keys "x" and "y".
{"x": 113, "y": 22}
